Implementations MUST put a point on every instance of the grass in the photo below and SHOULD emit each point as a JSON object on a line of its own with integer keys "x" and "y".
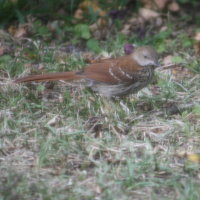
{"x": 62, "y": 143}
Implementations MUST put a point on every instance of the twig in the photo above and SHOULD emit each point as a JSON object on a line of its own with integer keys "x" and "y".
{"x": 169, "y": 66}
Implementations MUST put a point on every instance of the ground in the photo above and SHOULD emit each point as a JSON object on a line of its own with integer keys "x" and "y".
{"x": 60, "y": 141}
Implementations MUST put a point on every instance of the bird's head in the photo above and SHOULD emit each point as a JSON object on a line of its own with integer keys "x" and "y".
{"x": 146, "y": 56}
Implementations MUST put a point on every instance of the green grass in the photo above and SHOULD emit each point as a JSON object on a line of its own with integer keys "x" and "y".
{"x": 64, "y": 142}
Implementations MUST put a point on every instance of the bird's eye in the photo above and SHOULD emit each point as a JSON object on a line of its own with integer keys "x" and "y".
{"x": 145, "y": 56}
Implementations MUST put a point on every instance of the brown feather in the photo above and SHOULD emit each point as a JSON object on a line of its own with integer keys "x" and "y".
{"x": 100, "y": 71}
{"x": 49, "y": 77}
{"x": 111, "y": 77}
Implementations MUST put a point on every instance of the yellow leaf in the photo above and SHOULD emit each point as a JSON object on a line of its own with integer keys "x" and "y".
{"x": 84, "y": 7}
{"x": 194, "y": 157}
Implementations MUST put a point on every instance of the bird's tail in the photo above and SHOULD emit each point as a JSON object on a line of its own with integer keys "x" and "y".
{"x": 69, "y": 76}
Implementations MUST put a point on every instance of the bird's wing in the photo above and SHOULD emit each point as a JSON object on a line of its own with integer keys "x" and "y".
{"x": 113, "y": 71}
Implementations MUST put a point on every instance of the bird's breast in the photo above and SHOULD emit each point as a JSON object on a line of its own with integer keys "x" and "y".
{"x": 146, "y": 74}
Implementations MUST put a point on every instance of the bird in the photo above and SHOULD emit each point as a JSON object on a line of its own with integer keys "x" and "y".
{"x": 110, "y": 77}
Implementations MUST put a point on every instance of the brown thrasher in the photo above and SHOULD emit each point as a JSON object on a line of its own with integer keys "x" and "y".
{"x": 111, "y": 77}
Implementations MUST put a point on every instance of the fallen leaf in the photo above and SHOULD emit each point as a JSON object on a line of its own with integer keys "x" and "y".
{"x": 197, "y": 36}
{"x": 126, "y": 29}
{"x": 20, "y": 32}
{"x": 174, "y": 7}
{"x": 194, "y": 157}
{"x": 148, "y": 4}
{"x": 98, "y": 189}
{"x": 168, "y": 60}
{"x": 84, "y": 8}
{"x": 12, "y": 30}
{"x": 53, "y": 121}
{"x": 100, "y": 23}
{"x": 181, "y": 73}
{"x": 163, "y": 28}
{"x": 148, "y": 14}
{"x": 14, "y": 1}
{"x": 78, "y": 14}
{"x": 161, "y": 4}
